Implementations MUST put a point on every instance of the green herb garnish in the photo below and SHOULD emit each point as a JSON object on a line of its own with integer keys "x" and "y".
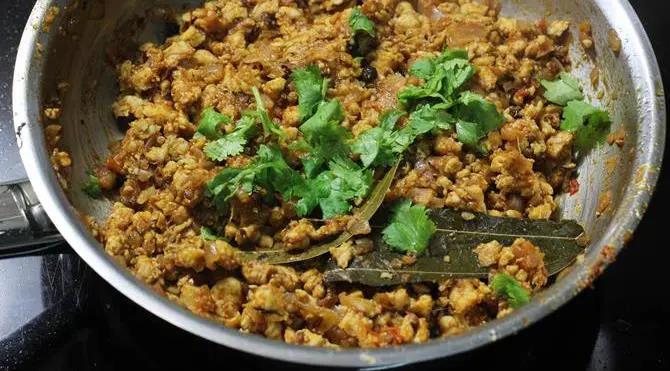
{"x": 563, "y": 90}
{"x": 211, "y": 122}
{"x": 381, "y": 146}
{"x": 268, "y": 171}
{"x": 324, "y": 138}
{"x": 589, "y": 124}
{"x": 208, "y": 235}
{"x": 311, "y": 88}
{"x": 334, "y": 189}
{"x": 439, "y": 103}
{"x": 443, "y": 76}
{"x": 359, "y": 22}
{"x": 269, "y": 127}
{"x": 475, "y": 118}
{"x": 92, "y": 186}
{"x": 410, "y": 229}
{"x": 362, "y": 32}
{"x": 232, "y": 144}
{"x": 506, "y": 286}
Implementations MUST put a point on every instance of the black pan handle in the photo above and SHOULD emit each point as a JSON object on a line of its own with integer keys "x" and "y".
{"x": 24, "y": 225}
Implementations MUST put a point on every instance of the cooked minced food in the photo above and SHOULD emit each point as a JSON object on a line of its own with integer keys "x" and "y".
{"x": 263, "y": 137}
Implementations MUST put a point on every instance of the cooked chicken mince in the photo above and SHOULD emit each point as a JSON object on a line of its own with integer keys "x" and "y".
{"x": 266, "y": 124}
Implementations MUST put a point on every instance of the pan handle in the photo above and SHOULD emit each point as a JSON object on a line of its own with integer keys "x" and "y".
{"x": 24, "y": 225}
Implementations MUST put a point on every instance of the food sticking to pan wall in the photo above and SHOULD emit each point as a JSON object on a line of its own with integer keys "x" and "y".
{"x": 347, "y": 174}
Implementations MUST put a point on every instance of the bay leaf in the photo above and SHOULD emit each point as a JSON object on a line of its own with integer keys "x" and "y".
{"x": 458, "y": 233}
{"x": 364, "y": 213}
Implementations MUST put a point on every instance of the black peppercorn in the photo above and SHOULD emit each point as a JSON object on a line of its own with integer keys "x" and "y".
{"x": 368, "y": 73}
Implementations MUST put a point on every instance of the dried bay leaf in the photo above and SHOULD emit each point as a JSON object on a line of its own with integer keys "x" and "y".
{"x": 458, "y": 233}
{"x": 363, "y": 214}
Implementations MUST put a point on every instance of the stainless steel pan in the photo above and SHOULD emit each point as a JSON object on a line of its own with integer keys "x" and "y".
{"x": 74, "y": 52}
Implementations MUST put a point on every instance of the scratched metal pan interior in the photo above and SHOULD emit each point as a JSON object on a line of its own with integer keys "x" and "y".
{"x": 74, "y": 51}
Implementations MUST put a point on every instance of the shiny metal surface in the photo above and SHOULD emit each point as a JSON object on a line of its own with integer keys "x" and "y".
{"x": 635, "y": 98}
{"x": 24, "y": 225}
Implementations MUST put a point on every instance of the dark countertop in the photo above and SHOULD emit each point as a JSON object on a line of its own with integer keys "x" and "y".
{"x": 12, "y": 20}
{"x": 82, "y": 323}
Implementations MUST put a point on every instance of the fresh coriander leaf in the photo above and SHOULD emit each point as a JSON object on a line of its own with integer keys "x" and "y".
{"x": 92, "y": 186}
{"x": 313, "y": 160}
{"x": 311, "y": 192}
{"x": 367, "y": 145}
{"x": 468, "y": 133}
{"x": 401, "y": 140}
{"x": 334, "y": 205}
{"x": 474, "y": 108}
{"x": 589, "y": 124}
{"x": 437, "y": 104}
{"x": 423, "y": 68}
{"x": 269, "y": 171}
{"x": 224, "y": 186}
{"x": 324, "y": 136}
{"x": 449, "y": 54}
{"x": 233, "y": 143}
{"x": 362, "y": 33}
{"x": 211, "y": 122}
{"x": 275, "y": 175}
{"x": 343, "y": 189}
{"x": 563, "y": 90}
{"x": 506, "y": 286}
{"x": 334, "y": 189}
{"x": 356, "y": 181}
{"x": 458, "y": 72}
{"x": 446, "y": 77}
{"x": 389, "y": 119}
{"x": 359, "y": 22}
{"x": 381, "y": 146}
{"x": 410, "y": 229}
{"x": 426, "y": 118}
{"x": 311, "y": 88}
{"x": 208, "y": 235}
{"x": 326, "y": 113}
{"x": 269, "y": 126}
{"x": 575, "y": 115}
{"x": 376, "y": 145}
{"x": 222, "y": 148}
{"x": 595, "y": 132}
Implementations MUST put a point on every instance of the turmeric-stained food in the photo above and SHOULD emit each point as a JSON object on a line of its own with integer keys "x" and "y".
{"x": 271, "y": 131}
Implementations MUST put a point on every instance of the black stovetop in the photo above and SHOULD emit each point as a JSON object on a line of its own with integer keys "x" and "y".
{"x": 57, "y": 314}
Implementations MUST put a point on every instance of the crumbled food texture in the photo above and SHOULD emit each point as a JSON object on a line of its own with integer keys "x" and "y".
{"x": 488, "y": 253}
{"x": 49, "y": 18}
{"x": 604, "y": 202}
{"x": 585, "y": 35}
{"x": 308, "y": 338}
{"x": 157, "y": 173}
{"x": 465, "y": 295}
{"x": 611, "y": 165}
{"x": 557, "y": 28}
{"x": 595, "y": 77}
{"x": 342, "y": 254}
{"x": 614, "y": 42}
{"x": 52, "y": 113}
{"x": 618, "y": 137}
{"x": 523, "y": 261}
